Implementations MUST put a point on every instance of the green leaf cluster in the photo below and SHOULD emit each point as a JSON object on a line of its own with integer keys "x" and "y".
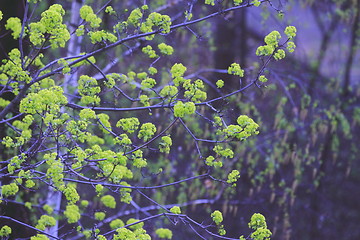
{"x": 88, "y": 89}
{"x": 217, "y": 217}
{"x": 87, "y": 13}
{"x": 9, "y": 189}
{"x": 233, "y": 176}
{"x": 5, "y": 231}
{"x": 272, "y": 44}
{"x": 12, "y": 70}
{"x": 14, "y": 24}
{"x": 235, "y": 69}
{"x": 45, "y": 221}
{"x": 246, "y": 127}
{"x": 164, "y": 233}
{"x": 72, "y": 213}
{"x": 147, "y": 130}
{"x": 129, "y": 125}
{"x": 108, "y": 201}
{"x": 160, "y": 21}
{"x": 165, "y": 144}
{"x": 194, "y": 91}
{"x": 258, "y": 224}
{"x": 50, "y": 24}
{"x": 181, "y": 109}
{"x": 175, "y": 210}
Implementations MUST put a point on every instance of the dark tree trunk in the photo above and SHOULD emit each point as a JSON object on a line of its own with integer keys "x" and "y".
{"x": 9, "y": 8}
{"x": 230, "y": 36}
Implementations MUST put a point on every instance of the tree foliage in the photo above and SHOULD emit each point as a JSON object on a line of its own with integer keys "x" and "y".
{"x": 101, "y": 133}
{"x": 114, "y": 127}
